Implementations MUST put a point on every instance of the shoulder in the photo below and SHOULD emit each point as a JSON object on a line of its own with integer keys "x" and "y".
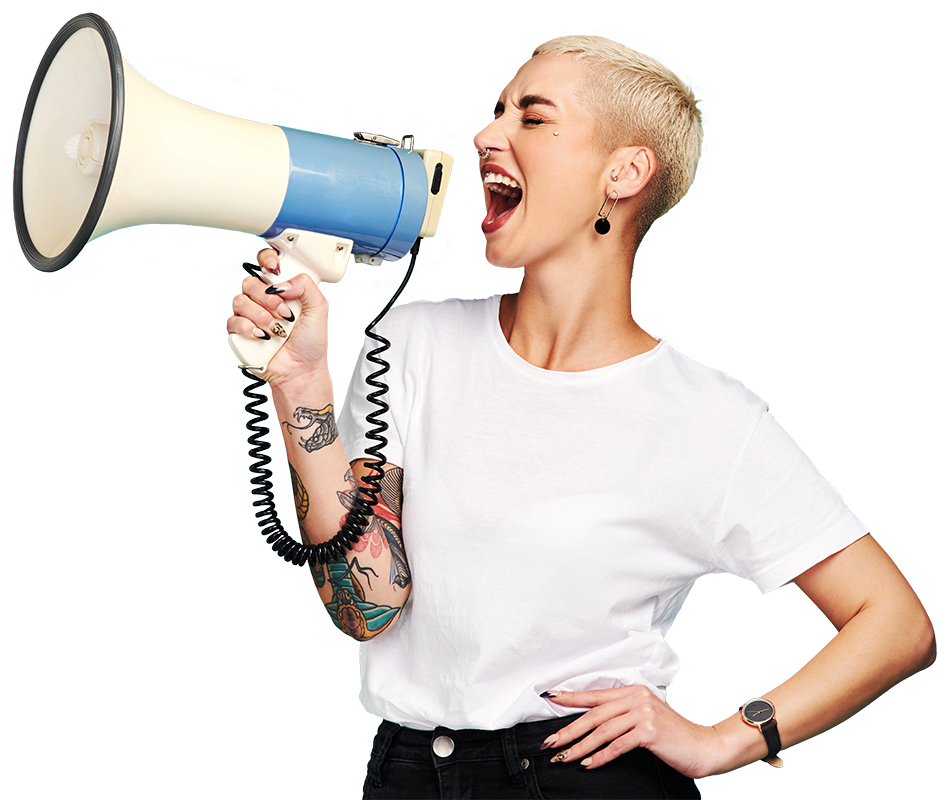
{"x": 432, "y": 320}
{"x": 709, "y": 392}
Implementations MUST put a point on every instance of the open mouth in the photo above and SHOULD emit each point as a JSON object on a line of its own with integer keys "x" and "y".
{"x": 504, "y": 195}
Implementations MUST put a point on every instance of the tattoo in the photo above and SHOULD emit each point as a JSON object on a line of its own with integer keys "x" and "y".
{"x": 350, "y": 612}
{"x": 318, "y": 575}
{"x": 301, "y": 501}
{"x": 300, "y": 495}
{"x": 321, "y": 424}
{"x": 399, "y": 568}
{"x": 392, "y": 489}
{"x": 383, "y": 528}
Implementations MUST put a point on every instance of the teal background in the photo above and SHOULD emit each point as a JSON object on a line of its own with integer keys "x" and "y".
{"x": 152, "y": 645}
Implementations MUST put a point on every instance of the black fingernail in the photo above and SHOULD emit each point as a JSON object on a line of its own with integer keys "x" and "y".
{"x": 252, "y": 269}
{"x": 274, "y": 290}
{"x": 549, "y": 694}
{"x": 265, "y": 335}
{"x": 290, "y": 318}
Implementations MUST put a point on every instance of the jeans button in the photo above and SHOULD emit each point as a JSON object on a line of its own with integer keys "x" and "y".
{"x": 443, "y": 746}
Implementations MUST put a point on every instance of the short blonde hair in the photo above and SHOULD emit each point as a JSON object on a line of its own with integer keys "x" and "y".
{"x": 638, "y": 101}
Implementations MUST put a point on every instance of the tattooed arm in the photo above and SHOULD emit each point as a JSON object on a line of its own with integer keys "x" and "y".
{"x": 364, "y": 590}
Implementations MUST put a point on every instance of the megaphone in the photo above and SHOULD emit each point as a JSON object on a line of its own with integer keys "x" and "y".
{"x": 100, "y": 148}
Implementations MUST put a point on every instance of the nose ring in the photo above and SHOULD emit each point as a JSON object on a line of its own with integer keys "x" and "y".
{"x": 484, "y": 154}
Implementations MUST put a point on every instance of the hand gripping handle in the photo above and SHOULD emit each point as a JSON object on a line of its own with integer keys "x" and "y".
{"x": 322, "y": 258}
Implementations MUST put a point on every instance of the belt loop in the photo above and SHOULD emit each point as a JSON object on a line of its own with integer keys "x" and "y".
{"x": 511, "y": 757}
{"x": 376, "y": 767}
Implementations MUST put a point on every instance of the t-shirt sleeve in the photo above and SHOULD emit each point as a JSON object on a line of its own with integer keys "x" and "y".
{"x": 353, "y": 425}
{"x": 781, "y": 517}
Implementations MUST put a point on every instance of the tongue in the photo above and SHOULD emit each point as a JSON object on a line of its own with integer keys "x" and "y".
{"x": 499, "y": 206}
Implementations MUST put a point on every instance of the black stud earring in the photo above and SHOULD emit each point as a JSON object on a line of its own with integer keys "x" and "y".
{"x": 602, "y": 225}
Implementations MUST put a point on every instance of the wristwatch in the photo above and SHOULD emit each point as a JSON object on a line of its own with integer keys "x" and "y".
{"x": 759, "y": 713}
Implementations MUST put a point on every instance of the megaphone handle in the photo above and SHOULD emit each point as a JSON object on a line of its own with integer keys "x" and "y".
{"x": 322, "y": 258}
{"x": 257, "y": 353}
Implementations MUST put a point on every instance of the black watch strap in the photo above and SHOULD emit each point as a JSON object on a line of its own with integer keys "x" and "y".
{"x": 770, "y": 731}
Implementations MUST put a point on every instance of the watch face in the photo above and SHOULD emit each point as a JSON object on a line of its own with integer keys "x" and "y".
{"x": 757, "y": 712}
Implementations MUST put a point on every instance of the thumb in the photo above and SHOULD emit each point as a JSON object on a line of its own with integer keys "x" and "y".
{"x": 303, "y": 288}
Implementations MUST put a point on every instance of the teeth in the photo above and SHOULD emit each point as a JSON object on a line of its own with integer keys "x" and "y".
{"x": 502, "y": 184}
{"x": 497, "y": 177}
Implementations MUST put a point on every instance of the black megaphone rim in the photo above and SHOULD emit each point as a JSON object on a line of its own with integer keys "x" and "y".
{"x": 37, "y": 259}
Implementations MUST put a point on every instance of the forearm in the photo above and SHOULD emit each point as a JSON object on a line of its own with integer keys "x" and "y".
{"x": 365, "y": 588}
{"x": 318, "y": 464}
{"x": 881, "y": 645}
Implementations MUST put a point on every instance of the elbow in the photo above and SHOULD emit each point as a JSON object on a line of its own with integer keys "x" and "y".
{"x": 929, "y": 649}
{"x": 359, "y": 629}
{"x": 922, "y": 645}
{"x": 362, "y": 620}
{"x": 364, "y": 632}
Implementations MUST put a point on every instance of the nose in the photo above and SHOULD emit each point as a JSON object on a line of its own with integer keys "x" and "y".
{"x": 490, "y": 137}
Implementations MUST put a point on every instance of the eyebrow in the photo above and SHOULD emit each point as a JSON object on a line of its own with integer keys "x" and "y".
{"x": 527, "y": 101}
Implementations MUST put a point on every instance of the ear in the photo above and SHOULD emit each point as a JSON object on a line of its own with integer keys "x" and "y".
{"x": 630, "y": 169}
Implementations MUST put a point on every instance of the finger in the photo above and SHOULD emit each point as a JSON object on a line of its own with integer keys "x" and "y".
{"x": 571, "y": 699}
{"x": 641, "y": 722}
{"x": 603, "y": 704}
{"x": 582, "y": 726}
{"x": 258, "y": 315}
{"x": 246, "y": 328}
{"x": 272, "y": 301}
{"x": 303, "y": 288}
{"x": 601, "y": 719}
{"x": 618, "y": 747}
{"x": 589, "y": 699}
{"x": 607, "y": 732}
{"x": 269, "y": 260}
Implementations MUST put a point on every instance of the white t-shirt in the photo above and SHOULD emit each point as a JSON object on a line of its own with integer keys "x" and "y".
{"x": 554, "y": 522}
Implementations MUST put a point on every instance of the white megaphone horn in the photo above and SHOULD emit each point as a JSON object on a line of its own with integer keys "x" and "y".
{"x": 100, "y": 148}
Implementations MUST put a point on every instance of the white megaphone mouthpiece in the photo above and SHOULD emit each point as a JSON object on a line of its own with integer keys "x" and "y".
{"x": 100, "y": 148}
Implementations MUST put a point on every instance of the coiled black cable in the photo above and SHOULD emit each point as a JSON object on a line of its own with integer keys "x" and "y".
{"x": 365, "y": 498}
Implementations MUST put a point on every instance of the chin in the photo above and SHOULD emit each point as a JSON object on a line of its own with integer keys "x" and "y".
{"x": 498, "y": 258}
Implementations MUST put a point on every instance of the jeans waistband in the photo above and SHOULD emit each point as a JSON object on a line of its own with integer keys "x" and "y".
{"x": 445, "y": 746}
{"x": 524, "y": 738}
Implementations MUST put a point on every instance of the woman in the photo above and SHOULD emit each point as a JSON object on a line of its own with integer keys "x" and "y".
{"x": 567, "y": 478}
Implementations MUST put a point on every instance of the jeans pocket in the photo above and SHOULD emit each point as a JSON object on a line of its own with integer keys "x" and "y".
{"x": 382, "y": 742}
{"x": 675, "y": 785}
{"x": 631, "y": 776}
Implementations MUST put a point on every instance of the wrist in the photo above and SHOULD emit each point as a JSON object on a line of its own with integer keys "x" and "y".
{"x": 308, "y": 390}
{"x": 739, "y": 744}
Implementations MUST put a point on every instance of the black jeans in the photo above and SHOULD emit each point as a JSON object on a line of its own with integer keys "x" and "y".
{"x": 507, "y": 764}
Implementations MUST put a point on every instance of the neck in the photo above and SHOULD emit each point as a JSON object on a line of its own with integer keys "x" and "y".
{"x": 574, "y": 317}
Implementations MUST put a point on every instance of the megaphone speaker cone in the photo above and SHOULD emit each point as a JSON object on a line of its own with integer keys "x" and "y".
{"x": 66, "y": 153}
